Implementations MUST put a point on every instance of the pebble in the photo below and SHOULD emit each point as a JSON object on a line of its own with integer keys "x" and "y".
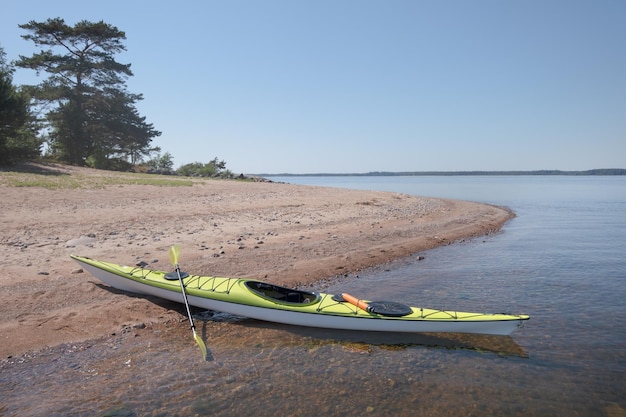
{"x": 90, "y": 239}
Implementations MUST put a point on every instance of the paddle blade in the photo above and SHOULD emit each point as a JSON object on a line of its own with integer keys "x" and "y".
{"x": 201, "y": 344}
{"x": 174, "y": 252}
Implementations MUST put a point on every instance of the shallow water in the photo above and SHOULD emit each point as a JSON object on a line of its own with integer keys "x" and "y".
{"x": 254, "y": 368}
{"x": 561, "y": 260}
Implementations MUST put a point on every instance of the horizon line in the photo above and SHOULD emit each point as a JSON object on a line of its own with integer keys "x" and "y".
{"x": 598, "y": 171}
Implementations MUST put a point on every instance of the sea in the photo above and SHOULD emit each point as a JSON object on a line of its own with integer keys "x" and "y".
{"x": 562, "y": 260}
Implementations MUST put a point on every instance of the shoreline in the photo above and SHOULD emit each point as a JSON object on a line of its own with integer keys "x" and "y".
{"x": 292, "y": 235}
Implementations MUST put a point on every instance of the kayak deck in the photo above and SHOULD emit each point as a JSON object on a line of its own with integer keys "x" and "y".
{"x": 256, "y": 299}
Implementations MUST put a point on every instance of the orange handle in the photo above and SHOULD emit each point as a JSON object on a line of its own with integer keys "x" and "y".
{"x": 353, "y": 300}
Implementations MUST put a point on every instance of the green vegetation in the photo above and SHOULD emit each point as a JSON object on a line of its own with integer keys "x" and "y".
{"x": 56, "y": 180}
{"x": 85, "y": 115}
{"x": 212, "y": 169}
{"x": 89, "y": 116}
{"x": 161, "y": 163}
{"x": 18, "y": 140}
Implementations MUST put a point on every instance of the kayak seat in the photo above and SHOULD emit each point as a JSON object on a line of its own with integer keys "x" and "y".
{"x": 282, "y": 294}
{"x": 293, "y": 297}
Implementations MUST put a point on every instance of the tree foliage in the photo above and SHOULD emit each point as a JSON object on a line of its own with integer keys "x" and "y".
{"x": 91, "y": 117}
{"x": 214, "y": 168}
{"x": 17, "y": 130}
{"x": 163, "y": 164}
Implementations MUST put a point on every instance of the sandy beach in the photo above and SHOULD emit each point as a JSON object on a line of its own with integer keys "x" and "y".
{"x": 281, "y": 233}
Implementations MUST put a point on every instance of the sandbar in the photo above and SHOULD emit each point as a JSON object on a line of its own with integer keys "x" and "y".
{"x": 281, "y": 233}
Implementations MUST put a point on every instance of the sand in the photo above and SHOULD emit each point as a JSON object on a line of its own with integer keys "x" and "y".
{"x": 281, "y": 233}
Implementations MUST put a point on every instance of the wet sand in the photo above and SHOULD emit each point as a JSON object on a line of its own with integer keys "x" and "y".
{"x": 281, "y": 233}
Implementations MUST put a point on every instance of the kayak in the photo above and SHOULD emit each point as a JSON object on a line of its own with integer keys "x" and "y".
{"x": 263, "y": 301}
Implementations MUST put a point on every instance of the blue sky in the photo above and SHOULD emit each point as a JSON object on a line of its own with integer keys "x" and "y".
{"x": 351, "y": 86}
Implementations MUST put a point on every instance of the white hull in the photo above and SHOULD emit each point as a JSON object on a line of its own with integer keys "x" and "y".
{"x": 308, "y": 319}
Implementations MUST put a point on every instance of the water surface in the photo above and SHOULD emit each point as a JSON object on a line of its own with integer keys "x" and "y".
{"x": 561, "y": 260}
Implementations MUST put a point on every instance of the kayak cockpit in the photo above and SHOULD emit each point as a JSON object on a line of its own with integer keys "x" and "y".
{"x": 282, "y": 294}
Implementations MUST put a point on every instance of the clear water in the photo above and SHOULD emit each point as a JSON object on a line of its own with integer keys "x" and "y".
{"x": 561, "y": 260}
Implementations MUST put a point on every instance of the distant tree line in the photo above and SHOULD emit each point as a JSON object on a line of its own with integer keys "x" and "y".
{"x": 612, "y": 171}
{"x": 609, "y": 171}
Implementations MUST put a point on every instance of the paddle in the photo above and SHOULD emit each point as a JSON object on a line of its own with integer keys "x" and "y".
{"x": 174, "y": 252}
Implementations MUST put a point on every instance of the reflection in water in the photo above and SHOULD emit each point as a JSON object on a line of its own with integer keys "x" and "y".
{"x": 254, "y": 368}
{"x": 501, "y": 345}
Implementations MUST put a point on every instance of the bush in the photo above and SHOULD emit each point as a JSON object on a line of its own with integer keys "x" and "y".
{"x": 161, "y": 164}
{"x": 213, "y": 168}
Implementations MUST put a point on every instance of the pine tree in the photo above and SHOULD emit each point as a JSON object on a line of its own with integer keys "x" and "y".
{"x": 17, "y": 134}
{"x": 91, "y": 116}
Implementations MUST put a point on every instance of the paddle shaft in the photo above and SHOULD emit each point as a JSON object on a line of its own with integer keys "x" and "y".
{"x": 174, "y": 250}
{"x": 182, "y": 288}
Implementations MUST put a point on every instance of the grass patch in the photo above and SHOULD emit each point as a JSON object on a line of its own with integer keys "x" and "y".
{"x": 56, "y": 181}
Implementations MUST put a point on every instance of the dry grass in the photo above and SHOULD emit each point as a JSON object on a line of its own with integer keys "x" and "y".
{"x": 54, "y": 176}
